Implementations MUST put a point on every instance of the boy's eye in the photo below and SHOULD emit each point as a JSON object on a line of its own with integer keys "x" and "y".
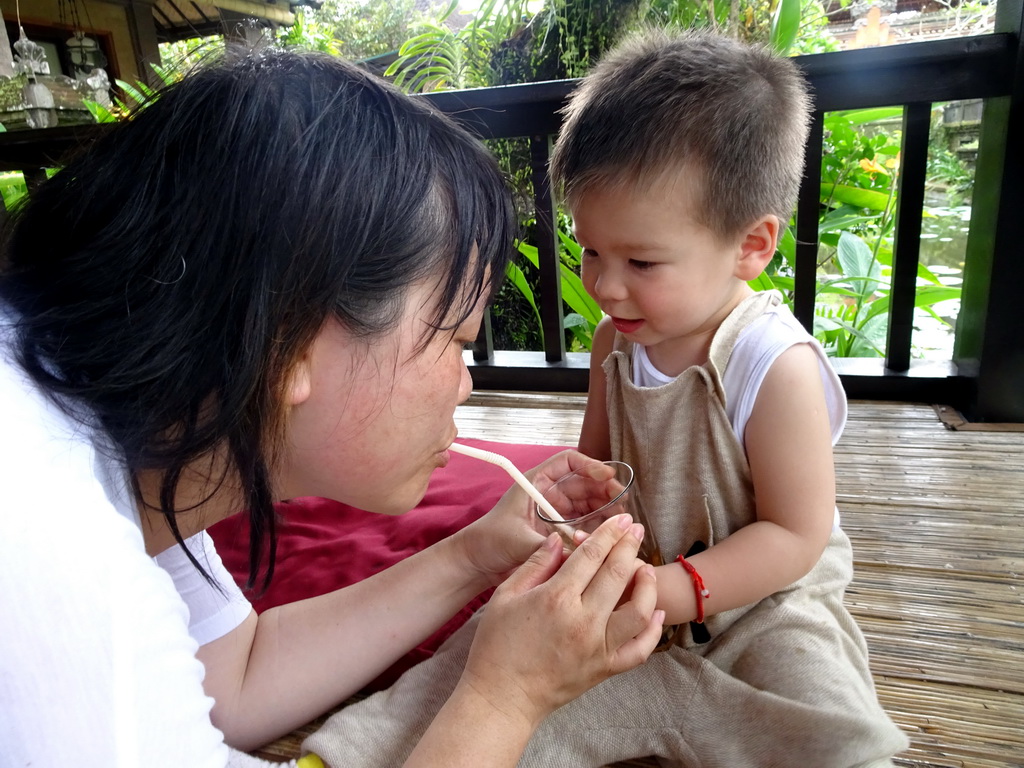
{"x": 637, "y": 264}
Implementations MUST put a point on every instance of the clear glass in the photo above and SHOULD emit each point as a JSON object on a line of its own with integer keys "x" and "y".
{"x": 585, "y": 502}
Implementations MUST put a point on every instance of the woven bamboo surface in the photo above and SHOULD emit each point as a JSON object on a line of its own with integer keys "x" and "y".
{"x": 936, "y": 517}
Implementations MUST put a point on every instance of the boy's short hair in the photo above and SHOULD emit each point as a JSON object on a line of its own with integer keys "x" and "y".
{"x": 661, "y": 103}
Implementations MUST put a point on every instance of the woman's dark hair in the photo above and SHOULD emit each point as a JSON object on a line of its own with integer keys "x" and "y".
{"x": 170, "y": 278}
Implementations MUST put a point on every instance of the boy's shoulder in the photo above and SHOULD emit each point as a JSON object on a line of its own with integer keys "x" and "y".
{"x": 778, "y": 320}
{"x": 767, "y": 336}
{"x": 758, "y": 347}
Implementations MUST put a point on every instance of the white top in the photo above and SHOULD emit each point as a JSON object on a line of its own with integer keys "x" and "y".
{"x": 757, "y": 347}
{"x": 97, "y": 663}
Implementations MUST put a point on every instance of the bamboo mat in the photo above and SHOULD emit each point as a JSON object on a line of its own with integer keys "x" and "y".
{"x": 937, "y": 522}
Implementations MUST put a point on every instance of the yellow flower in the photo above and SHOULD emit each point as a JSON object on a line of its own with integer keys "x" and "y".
{"x": 873, "y": 167}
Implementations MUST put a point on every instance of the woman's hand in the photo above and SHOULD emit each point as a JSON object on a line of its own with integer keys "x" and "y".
{"x": 555, "y": 629}
{"x": 500, "y": 541}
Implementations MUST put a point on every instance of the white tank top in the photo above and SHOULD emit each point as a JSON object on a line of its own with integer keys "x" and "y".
{"x": 758, "y": 346}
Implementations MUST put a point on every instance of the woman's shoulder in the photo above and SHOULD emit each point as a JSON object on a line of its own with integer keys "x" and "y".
{"x": 82, "y": 601}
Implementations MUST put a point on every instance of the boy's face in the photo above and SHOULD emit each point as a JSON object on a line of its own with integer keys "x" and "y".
{"x": 666, "y": 281}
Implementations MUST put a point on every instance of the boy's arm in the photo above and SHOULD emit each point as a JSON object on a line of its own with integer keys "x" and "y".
{"x": 594, "y": 440}
{"x": 789, "y": 447}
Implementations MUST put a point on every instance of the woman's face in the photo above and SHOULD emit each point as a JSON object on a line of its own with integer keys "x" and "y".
{"x": 371, "y": 420}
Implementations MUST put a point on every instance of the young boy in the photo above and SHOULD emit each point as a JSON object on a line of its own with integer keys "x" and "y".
{"x": 679, "y": 160}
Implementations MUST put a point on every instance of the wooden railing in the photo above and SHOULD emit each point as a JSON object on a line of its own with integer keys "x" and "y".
{"x": 985, "y": 378}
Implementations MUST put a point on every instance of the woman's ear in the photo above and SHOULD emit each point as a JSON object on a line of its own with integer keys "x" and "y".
{"x": 300, "y": 381}
{"x": 757, "y": 247}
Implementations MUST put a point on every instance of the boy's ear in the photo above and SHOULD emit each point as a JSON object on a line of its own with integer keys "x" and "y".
{"x": 757, "y": 247}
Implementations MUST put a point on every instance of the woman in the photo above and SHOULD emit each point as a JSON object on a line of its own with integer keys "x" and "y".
{"x": 259, "y": 288}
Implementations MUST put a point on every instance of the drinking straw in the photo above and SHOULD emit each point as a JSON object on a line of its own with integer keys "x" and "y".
{"x": 508, "y": 466}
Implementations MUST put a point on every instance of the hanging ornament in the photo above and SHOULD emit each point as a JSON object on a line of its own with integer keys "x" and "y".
{"x": 30, "y": 60}
{"x": 83, "y": 51}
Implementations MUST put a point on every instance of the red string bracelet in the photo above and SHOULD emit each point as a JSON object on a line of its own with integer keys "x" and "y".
{"x": 698, "y": 587}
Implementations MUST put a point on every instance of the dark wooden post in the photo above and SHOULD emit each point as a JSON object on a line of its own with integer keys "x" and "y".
{"x": 806, "y": 268}
{"x": 547, "y": 251}
{"x": 907, "y": 243}
{"x": 483, "y": 346}
{"x": 989, "y": 339}
{"x": 142, "y": 29}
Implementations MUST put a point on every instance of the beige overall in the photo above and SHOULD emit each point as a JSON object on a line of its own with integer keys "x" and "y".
{"x": 783, "y": 682}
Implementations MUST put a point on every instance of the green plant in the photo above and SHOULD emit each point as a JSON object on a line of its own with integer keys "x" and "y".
{"x": 505, "y": 41}
{"x": 584, "y": 313}
{"x": 309, "y": 33}
{"x": 354, "y": 29}
{"x": 439, "y": 57}
{"x": 860, "y": 172}
{"x": 136, "y": 95}
{"x": 12, "y": 187}
{"x": 183, "y": 55}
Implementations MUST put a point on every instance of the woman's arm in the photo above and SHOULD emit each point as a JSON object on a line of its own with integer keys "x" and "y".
{"x": 789, "y": 447}
{"x": 294, "y": 662}
{"x": 594, "y": 439}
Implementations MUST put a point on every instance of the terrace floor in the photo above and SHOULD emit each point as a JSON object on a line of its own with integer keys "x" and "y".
{"x": 936, "y": 517}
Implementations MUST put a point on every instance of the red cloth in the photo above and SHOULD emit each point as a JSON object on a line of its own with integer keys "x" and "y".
{"x": 324, "y": 545}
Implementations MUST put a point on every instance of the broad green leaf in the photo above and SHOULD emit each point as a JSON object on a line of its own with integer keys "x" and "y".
{"x": 573, "y": 320}
{"x": 925, "y": 273}
{"x": 762, "y": 283}
{"x": 785, "y": 25}
{"x": 843, "y": 218}
{"x": 574, "y": 294}
{"x": 835, "y": 287}
{"x": 870, "y": 115}
{"x": 926, "y": 296}
{"x": 869, "y": 340}
{"x": 167, "y": 75}
{"x": 787, "y": 245}
{"x": 855, "y": 196}
{"x": 584, "y": 334}
{"x": 12, "y": 187}
{"x": 936, "y": 316}
{"x": 859, "y": 265}
{"x": 570, "y": 245}
{"x": 518, "y": 279}
{"x": 99, "y": 113}
{"x": 784, "y": 283}
{"x": 529, "y": 251}
{"x": 137, "y": 94}
{"x": 824, "y": 324}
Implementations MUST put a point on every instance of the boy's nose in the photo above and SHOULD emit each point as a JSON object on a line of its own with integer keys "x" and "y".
{"x": 609, "y": 286}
